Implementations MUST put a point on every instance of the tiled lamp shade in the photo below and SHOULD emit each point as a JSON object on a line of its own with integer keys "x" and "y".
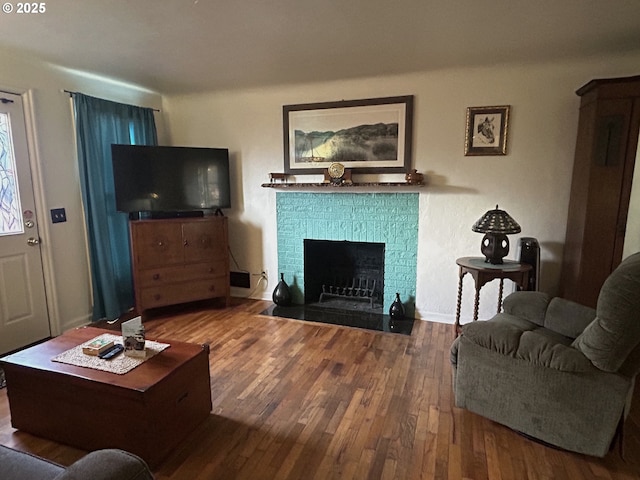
{"x": 496, "y": 225}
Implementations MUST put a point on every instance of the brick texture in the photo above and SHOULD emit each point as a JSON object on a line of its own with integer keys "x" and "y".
{"x": 389, "y": 218}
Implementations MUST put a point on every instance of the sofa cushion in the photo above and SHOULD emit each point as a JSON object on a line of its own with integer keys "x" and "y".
{"x": 531, "y": 306}
{"x": 615, "y": 332}
{"x": 539, "y": 348}
{"x": 518, "y": 338}
{"x": 568, "y": 318}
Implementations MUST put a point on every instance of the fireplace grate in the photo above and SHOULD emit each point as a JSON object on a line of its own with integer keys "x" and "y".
{"x": 364, "y": 291}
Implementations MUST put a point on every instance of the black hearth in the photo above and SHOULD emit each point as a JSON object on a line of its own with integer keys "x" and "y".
{"x": 347, "y": 318}
{"x": 344, "y": 285}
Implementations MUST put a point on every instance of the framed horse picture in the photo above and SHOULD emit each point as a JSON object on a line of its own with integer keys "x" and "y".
{"x": 486, "y": 132}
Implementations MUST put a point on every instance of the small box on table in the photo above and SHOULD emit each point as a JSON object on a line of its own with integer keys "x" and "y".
{"x": 97, "y": 346}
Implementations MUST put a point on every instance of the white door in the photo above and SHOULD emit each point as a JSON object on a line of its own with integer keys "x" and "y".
{"x": 23, "y": 310}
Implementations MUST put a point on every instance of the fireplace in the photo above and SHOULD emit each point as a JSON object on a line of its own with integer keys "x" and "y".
{"x": 388, "y": 219}
{"x": 344, "y": 275}
{"x": 383, "y": 225}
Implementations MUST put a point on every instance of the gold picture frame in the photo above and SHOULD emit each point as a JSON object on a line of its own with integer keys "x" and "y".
{"x": 486, "y": 130}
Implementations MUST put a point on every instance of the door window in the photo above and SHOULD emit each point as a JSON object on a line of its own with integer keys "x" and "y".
{"x": 10, "y": 216}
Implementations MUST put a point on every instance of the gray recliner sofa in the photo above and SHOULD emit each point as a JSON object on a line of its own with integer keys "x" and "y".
{"x": 553, "y": 369}
{"x": 108, "y": 464}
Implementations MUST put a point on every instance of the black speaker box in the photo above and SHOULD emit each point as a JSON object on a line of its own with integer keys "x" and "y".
{"x": 529, "y": 252}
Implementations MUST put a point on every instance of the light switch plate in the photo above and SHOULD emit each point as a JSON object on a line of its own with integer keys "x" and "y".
{"x": 58, "y": 215}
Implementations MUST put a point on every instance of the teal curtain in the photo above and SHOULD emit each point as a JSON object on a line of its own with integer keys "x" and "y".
{"x": 99, "y": 123}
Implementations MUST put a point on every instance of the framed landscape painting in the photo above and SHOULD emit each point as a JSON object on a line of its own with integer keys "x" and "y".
{"x": 486, "y": 131}
{"x": 372, "y": 135}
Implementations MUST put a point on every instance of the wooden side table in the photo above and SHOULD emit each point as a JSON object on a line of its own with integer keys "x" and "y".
{"x": 483, "y": 272}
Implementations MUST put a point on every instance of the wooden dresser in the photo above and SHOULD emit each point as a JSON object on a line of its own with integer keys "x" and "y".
{"x": 179, "y": 260}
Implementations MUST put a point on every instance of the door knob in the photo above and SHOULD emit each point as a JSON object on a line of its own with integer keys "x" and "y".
{"x": 33, "y": 241}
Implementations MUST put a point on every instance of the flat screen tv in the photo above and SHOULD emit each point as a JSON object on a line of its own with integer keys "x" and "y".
{"x": 165, "y": 181}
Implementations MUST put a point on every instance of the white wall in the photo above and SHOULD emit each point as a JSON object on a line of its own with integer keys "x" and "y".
{"x": 532, "y": 182}
{"x": 632, "y": 235}
{"x": 55, "y": 170}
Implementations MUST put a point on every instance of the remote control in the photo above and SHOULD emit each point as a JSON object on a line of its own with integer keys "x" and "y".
{"x": 112, "y": 352}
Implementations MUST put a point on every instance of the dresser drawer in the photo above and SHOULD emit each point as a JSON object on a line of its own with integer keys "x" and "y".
{"x": 166, "y": 275}
{"x": 162, "y": 295}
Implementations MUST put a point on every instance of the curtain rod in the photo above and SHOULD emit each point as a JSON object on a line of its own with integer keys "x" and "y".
{"x": 71, "y": 92}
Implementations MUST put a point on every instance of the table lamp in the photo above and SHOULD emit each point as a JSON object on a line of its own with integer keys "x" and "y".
{"x": 496, "y": 225}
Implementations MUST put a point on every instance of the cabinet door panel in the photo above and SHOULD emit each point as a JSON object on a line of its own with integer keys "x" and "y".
{"x": 605, "y": 157}
{"x": 203, "y": 241}
{"x": 604, "y": 197}
{"x": 158, "y": 244}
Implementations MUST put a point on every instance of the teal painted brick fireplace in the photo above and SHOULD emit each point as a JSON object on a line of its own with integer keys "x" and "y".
{"x": 389, "y": 218}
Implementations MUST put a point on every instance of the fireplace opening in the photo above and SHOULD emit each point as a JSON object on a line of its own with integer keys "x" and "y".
{"x": 344, "y": 275}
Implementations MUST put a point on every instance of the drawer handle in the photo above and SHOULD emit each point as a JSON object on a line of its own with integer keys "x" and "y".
{"x": 211, "y": 270}
{"x": 212, "y": 288}
{"x": 157, "y": 296}
{"x": 156, "y": 276}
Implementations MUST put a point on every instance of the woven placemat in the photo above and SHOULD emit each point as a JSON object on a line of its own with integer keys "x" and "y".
{"x": 120, "y": 364}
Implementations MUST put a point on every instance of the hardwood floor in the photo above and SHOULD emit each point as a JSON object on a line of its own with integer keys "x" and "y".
{"x": 298, "y": 400}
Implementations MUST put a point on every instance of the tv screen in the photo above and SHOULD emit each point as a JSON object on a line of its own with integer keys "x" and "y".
{"x": 169, "y": 179}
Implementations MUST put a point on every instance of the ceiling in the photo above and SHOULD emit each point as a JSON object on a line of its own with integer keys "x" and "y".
{"x": 180, "y": 46}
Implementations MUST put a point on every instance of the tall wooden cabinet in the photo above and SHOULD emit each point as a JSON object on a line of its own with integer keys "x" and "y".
{"x": 605, "y": 156}
{"x": 179, "y": 260}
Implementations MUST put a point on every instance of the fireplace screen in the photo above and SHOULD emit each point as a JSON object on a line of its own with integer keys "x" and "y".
{"x": 344, "y": 275}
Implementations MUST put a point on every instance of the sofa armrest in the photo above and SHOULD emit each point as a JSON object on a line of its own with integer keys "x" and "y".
{"x": 531, "y": 306}
{"x": 568, "y": 318}
{"x": 109, "y": 464}
{"x": 18, "y": 465}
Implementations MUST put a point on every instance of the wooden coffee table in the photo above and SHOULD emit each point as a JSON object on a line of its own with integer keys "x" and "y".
{"x": 147, "y": 411}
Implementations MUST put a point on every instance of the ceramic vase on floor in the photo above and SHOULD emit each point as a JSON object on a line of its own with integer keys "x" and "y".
{"x": 281, "y": 294}
{"x": 396, "y": 310}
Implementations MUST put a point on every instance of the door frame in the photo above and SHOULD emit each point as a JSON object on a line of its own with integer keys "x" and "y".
{"x": 35, "y": 159}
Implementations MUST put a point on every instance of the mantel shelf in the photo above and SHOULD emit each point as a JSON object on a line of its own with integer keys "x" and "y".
{"x": 302, "y": 185}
